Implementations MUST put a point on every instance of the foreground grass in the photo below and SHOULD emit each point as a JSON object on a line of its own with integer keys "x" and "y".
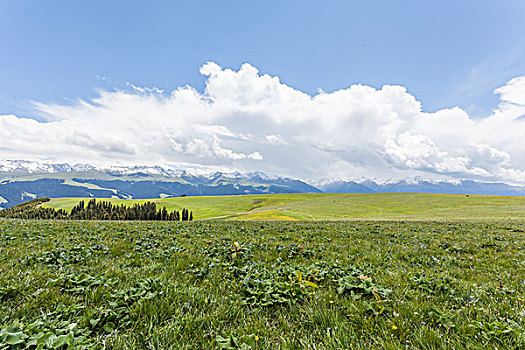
{"x": 281, "y": 285}
{"x": 303, "y": 206}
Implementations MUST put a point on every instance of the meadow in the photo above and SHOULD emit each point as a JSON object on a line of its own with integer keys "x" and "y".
{"x": 262, "y": 285}
{"x": 325, "y": 206}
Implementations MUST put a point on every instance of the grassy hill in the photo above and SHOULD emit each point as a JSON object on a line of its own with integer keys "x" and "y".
{"x": 391, "y": 206}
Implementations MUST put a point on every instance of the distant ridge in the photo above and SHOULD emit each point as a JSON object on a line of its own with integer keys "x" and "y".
{"x": 423, "y": 186}
{"x": 22, "y": 180}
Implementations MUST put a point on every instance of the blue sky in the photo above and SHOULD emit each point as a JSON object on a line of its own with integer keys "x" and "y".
{"x": 447, "y": 53}
{"x": 314, "y": 90}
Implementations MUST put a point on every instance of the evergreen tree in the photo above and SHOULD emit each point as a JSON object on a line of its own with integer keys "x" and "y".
{"x": 93, "y": 210}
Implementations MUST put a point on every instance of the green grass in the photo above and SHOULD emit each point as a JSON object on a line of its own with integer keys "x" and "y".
{"x": 393, "y": 206}
{"x": 263, "y": 285}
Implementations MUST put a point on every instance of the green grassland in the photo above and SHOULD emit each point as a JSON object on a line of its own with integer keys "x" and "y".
{"x": 264, "y": 285}
{"x": 392, "y": 206}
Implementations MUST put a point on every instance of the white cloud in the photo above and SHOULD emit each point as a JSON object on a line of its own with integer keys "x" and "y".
{"x": 275, "y": 140}
{"x": 513, "y": 91}
{"x": 247, "y": 121}
{"x": 219, "y": 130}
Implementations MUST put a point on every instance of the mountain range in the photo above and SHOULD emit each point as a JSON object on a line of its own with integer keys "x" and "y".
{"x": 425, "y": 186}
{"x": 22, "y": 180}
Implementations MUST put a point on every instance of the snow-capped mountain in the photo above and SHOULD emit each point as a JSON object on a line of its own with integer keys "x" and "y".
{"x": 30, "y": 167}
{"x": 20, "y": 180}
{"x": 35, "y": 167}
{"x": 37, "y": 179}
{"x": 142, "y": 170}
{"x": 419, "y": 185}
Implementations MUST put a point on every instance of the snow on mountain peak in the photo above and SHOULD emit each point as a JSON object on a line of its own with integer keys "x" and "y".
{"x": 30, "y": 167}
{"x": 258, "y": 175}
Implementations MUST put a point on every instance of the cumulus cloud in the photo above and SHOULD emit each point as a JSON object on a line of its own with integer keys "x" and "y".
{"x": 244, "y": 120}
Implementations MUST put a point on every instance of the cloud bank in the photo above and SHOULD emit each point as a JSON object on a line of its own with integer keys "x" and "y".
{"x": 244, "y": 120}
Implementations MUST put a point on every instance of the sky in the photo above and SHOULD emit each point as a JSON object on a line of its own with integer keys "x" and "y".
{"x": 308, "y": 89}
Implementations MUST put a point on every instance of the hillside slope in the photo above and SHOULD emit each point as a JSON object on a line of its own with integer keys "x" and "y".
{"x": 395, "y": 206}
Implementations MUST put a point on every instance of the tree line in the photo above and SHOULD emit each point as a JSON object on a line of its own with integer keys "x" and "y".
{"x": 96, "y": 210}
